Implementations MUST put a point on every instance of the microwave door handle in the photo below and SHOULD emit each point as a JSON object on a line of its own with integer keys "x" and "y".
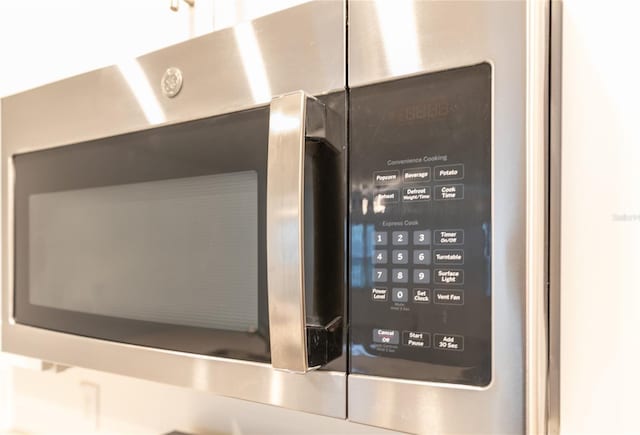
{"x": 294, "y": 118}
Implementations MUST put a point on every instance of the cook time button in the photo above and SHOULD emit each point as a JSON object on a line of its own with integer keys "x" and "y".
{"x": 416, "y": 339}
{"x": 447, "y": 192}
{"x": 448, "y": 342}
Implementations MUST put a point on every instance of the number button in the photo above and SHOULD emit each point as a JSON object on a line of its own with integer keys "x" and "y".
{"x": 380, "y": 238}
{"x": 421, "y": 276}
{"x": 422, "y": 237}
{"x": 400, "y": 295}
{"x": 400, "y": 237}
{"x": 379, "y": 257}
{"x": 421, "y": 256}
{"x": 400, "y": 256}
{"x": 379, "y": 275}
{"x": 400, "y": 275}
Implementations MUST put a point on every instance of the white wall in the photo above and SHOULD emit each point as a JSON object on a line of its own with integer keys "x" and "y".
{"x": 601, "y": 217}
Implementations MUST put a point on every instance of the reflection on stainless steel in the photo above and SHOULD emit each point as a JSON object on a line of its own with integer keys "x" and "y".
{"x": 536, "y": 217}
{"x": 397, "y": 24}
{"x": 141, "y": 89}
{"x": 454, "y": 34}
{"x": 285, "y": 232}
{"x": 100, "y": 104}
{"x": 294, "y": 118}
{"x": 252, "y": 62}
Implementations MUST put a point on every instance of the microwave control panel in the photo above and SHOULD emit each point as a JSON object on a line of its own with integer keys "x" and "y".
{"x": 420, "y": 228}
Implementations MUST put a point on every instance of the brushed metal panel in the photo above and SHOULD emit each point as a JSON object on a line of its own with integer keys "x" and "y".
{"x": 315, "y": 392}
{"x": 225, "y": 71}
{"x": 432, "y": 36}
{"x": 285, "y": 232}
{"x": 229, "y": 70}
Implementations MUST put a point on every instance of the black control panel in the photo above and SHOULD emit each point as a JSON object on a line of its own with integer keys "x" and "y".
{"x": 420, "y": 229}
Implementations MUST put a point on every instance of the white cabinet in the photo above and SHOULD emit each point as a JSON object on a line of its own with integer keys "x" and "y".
{"x": 43, "y": 40}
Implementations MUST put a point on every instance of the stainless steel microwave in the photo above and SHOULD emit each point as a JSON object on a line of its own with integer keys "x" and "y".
{"x": 322, "y": 209}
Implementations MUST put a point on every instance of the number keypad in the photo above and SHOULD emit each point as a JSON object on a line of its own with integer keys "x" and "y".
{"x": 413, "y": 256}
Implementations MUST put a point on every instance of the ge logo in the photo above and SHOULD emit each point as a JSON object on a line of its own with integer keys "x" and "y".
{"x": 171, "y": 82}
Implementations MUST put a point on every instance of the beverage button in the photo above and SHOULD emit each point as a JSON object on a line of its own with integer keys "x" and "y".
{"x": 400, "y": 295}
{"x": 417, "y": 175}
{"x": 449, "y": 192}
{"x": 449, "y": 237}
{"x": 448, "y": 342}
{"x": 400, "y": 237}
{"x": 421, "y": 295}
{"x": 449, "y": 276}
{"x": 385, "y": 178}
{"x": 449, "y": 172}
{"x": 379, "y": 294}
{"x": 386, "y": 336}
{"x": 400, "y": 256}
{"x": 422, "y": 237}
{"x": 448, "y": 297}
{"x": 416, "y": 339}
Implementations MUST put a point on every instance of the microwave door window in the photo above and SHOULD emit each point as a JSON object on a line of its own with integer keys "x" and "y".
{"x": 169, "y": 251}
{"x": 154, "y": 238}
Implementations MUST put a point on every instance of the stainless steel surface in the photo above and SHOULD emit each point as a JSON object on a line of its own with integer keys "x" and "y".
{"x": 292, "y": 118}
{"x": 395, "y": 39}
{"x": 285, "y": 232}
{"x": 536, "y": 322}
{"x": 555, "y": 154}
{"x": 171, "y": 82}
{"x": 316, "y": 392}
{"x": 225, "y": 71}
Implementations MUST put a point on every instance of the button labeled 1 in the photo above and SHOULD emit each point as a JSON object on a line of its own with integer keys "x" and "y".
{"x": 380, "y": 238}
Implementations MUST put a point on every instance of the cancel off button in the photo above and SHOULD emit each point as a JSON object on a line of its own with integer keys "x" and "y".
{"x": 386, "y": 336}
{"x": 416, "y": 339}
